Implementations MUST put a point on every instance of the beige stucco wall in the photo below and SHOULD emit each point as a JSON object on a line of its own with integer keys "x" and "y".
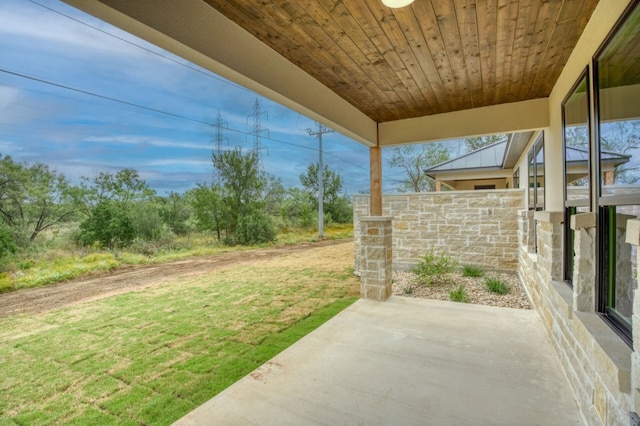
{"x": 469, "y": 185}
{"x": 473, "y": 227}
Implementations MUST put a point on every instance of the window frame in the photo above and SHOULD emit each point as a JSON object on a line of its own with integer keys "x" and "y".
{"x": 605, "y": 204}
{"x": 532, "y": 172}
{"x": 570, "y": 206}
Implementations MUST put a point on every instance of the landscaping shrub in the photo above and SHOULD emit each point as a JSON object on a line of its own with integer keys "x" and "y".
{"x": 435, "y": 268}
{"x": 459, "y": 295}
{"x": 472, "y": 271}
{"x": 495, "y": 285}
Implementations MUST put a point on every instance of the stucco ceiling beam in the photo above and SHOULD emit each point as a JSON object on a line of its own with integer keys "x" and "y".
{"x": 504, "y": 118}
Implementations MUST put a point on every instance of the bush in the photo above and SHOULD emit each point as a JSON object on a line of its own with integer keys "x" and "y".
{"x": 255, "y": 228}
{"x": 495, "y": 285}
{"x": 108, "y": 226}
{"x": 460, "y": 295}
{"x": 472, "y": 271}
{"x": 434, "y": 269}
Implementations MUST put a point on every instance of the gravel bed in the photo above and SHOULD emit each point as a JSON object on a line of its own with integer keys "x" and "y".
{"x": 406, "y": 284}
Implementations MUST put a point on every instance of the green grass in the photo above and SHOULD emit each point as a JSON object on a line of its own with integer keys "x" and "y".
{"x": 472, "y": 271}
{"x": 459, "y": 295}
{"x": 498, "y": 286}
{"x": 50, "y": 266}
{"x": 149, "y": 357}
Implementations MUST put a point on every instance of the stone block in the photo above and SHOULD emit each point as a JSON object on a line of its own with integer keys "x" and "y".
{"x": 583, "y": 221}
{"x": 600, "y": 400}
{"x": 549, "y": 217}
{"x": 633, "y": 232}
{"x": 373, "y": 231}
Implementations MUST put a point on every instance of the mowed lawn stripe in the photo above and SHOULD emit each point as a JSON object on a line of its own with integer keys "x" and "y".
{"x": 150, "y": 356}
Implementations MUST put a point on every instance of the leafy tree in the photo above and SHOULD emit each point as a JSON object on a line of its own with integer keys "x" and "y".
{"x": 124, "y": 187}
{"x": 209, "y": 211}
{"x": 119, "y": 195}
{"x": 335, "y": 204}
{"x": 34, "y": 198}
{"x": 273, "y": 195}
{"x": 478, "y": 142}
{"x": 297, "y": 208}
{"x": 414, "y": 159}
{"x": 243, "y": 186}
{"x": 7, "y": 244}
{"x": 108, "y": 225}
{"x": 623, "y": 137}
{"x": 577, "y": 137}
{"x": 147, "y": 222}
{"x": 176, "y": 212}
{"x": 620, "y": 137}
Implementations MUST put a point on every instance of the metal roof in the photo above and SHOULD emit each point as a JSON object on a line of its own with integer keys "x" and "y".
{"x": 490, "y": 156}
{"x": 493, "y": 156}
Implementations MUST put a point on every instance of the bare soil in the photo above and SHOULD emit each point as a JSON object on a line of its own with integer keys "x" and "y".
{"x": 129, "y": 278}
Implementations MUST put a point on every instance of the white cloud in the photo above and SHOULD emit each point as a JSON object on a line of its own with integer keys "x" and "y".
{"x": 148, "y": 141}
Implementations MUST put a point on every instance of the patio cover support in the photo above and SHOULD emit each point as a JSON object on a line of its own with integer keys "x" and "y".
{"x": 375, "y": 170}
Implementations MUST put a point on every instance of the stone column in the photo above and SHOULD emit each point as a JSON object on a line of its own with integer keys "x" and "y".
{"x": 633, "y": 237}
{"x": 549, "y": 237}
{"x": 375, "y": 257}
{"x": 525, "y": 231}
{"x": 584, "y": 265}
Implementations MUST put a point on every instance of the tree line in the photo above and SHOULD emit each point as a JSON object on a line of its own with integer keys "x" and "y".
{"x": 245, "y": 205}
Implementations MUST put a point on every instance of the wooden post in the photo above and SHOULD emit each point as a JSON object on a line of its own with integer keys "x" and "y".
{"x": 375, "y": 154}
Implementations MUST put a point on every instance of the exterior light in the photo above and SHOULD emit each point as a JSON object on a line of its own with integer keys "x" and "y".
{"x": 396, "y": 3}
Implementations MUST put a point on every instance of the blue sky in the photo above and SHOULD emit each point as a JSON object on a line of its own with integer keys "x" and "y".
{"x": 80, "y": 134}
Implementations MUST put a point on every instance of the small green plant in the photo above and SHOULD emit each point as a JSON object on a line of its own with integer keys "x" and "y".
{"x": 408, "y": 289}
{"x": 496, "y": 285}
{"x": 472, "y": 271}
{"x": 460, "y": 295}
{"x": 433, "y": 268}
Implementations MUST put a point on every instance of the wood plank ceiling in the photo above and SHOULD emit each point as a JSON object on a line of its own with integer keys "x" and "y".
{"x": 432, "y": 57}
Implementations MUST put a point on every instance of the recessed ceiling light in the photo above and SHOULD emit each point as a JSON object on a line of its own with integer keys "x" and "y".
{"x": 397, "y": 3}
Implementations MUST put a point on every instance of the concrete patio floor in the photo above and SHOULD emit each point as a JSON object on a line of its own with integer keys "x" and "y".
{"x": 406, "y": 362}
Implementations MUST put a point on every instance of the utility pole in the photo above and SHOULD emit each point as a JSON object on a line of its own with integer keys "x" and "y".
{"x": 219, "y": 124}
{"x": 257, "y": 129}
{"x": 321, "y": 129}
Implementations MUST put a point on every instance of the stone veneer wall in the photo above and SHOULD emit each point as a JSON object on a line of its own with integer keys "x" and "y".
{"x": 597, "y": 362}
{"x": 474, "y": 227}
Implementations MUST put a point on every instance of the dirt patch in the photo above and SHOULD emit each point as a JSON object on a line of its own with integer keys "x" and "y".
{"x": 130, "y": 278}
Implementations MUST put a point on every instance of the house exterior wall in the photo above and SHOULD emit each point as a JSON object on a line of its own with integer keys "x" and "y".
{"x": 469, "y": 185}
{"x": 598, "y": 364}
{"x": 604, "y": 371}
{"x": 474, "y": 227}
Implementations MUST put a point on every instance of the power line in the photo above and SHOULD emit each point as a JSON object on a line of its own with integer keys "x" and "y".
{"x": 109, "y": 98}
{"x": 153, "y": 52}
{"x": 174, "y": 115}
{"x": 135, "y": 105}
{"x": 158, "y": 111}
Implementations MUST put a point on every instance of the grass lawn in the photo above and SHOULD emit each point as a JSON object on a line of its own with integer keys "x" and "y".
{"x": 151, "y": 356}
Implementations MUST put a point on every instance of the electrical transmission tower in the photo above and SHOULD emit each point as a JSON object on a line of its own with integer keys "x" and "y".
{"x": 257, "y": 129}
{"x": 218, "y": 140}
{"x": 320, "y": 130}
